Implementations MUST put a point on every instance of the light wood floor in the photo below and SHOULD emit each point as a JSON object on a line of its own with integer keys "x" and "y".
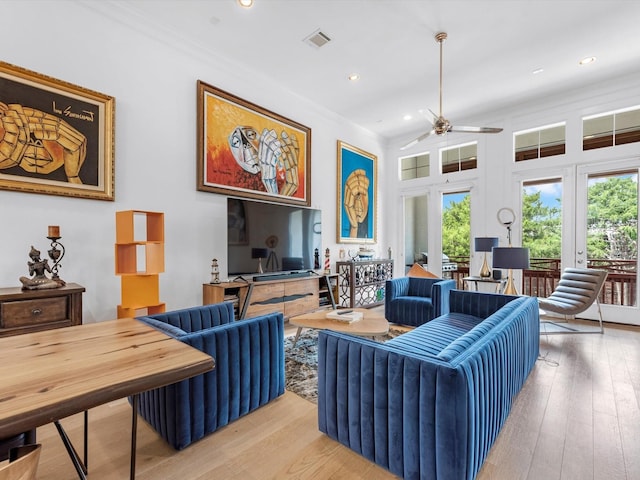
{"x": 577, "y": 418}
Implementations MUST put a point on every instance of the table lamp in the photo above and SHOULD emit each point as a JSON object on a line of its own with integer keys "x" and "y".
{"x": 485, "y": 244}
{"x": 512, "y": 258}
{"x": 259, "y": 253}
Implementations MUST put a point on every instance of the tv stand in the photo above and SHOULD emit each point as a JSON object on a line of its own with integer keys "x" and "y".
{"x": 291, "y": 294}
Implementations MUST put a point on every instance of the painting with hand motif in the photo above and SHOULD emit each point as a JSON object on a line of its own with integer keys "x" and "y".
{"x": 357, "y": 195}
{"x": 247, "y": 151}
{"x": 55, "y": 137}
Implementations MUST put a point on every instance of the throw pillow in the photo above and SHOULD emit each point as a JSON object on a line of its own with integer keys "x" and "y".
{"x": 418, "y": 270}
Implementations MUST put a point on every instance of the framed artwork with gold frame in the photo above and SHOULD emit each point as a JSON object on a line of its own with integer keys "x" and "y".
{"x": 357, "y": 195}
{"x": 245, "y": 150}
{"x": 55, "y": 137}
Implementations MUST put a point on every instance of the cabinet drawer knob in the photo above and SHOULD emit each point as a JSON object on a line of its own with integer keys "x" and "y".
{"x": 36, "y": 311}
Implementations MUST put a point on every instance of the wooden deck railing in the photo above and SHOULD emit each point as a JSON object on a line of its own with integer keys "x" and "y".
{"x": 544, "y": 273}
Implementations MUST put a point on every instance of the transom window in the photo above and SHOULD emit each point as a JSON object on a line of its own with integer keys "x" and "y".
{"x": 462, "y": 157}
{"x": 416, "y": 166}
{"x": 609, "y": 129}
{"x": 540, "y": 142}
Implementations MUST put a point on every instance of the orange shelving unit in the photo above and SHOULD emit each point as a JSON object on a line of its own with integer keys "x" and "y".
{"x": 139, "y": 259}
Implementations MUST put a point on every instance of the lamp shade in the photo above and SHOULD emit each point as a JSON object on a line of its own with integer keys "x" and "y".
{"x": 485, "y": 244}
{"x": 259, "y": 253}
{"x": 516, "y": 258}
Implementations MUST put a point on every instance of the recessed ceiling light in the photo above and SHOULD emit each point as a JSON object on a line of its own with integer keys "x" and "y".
{"x": 537, "y": 71}
{"x": 245, "y": 3}
{"x": 353, "y": 77}
{"x": 587, "y": 60}
{"x": 407, "y": 117}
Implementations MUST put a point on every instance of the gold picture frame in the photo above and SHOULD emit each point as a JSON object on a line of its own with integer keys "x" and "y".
{"x": 56, "y": 138}
{"x": 247, "y": 151}
{"x": 357, "y": 195}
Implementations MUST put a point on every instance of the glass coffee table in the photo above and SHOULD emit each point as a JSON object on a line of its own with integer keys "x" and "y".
{"x": 372, "y": 323}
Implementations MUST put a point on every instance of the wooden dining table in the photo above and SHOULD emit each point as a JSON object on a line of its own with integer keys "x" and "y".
{"x": 50, "y": 375}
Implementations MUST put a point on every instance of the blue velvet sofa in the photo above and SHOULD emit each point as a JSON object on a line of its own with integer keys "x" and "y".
{"x": 416, "y": 300}
{"x": 248, "y": 373}
{"x": 430, "y": 403}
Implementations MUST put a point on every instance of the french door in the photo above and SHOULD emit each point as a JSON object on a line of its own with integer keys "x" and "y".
{"x": 585, "y": 216}
{"x": 606, "y": 236}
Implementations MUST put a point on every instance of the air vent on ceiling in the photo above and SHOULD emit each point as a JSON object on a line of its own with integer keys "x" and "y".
{"x": 317, "y": 39}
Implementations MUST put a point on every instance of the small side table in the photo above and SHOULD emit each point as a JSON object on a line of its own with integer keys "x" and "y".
{"x": 500, "y": 284}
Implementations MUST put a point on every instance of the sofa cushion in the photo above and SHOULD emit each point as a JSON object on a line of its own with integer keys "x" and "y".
{"x": 432, "y": 337}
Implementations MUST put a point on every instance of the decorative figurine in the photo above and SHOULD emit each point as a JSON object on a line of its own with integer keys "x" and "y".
{"x": 327, "y": 262}
{"x": 316, "y": 259}
{"x": 38, "y": 267}
{"x": 215, "y": 272}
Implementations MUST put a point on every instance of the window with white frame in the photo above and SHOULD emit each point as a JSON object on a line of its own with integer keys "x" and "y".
{"x": 612, "y": 128}
{"x": 416, "y": 166}
{"x": 540, "y": 142}
{"x": 461, "y": 157}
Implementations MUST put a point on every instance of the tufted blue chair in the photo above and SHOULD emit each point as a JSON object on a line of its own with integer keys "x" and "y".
{"x": 248, "y": 373}
{"x": 415, "y": 300}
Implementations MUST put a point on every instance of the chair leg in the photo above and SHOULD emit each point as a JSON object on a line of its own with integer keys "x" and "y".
{"x": 570, "y": 329}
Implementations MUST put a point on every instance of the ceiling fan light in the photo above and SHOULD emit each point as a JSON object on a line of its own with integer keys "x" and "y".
{"x": 587, "y": 60}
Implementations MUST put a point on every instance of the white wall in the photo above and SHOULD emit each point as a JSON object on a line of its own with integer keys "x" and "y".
{"x": 153, "y": 79}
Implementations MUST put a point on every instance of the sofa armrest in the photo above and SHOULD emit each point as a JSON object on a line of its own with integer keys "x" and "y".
{"x": 164, "y": 327}
{"x": 396, "y": 287}
{"x": 440, "y": 296}
{"x": 478, "y": 304}
{"x": 193, "y": 319}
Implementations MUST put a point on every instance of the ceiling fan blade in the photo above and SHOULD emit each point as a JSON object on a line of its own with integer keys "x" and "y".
{"x": 417, "y": 140}
{"x": 475, "y": 129}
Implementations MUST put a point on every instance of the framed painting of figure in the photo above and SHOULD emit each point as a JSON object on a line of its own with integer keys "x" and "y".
{"x": 245, "y": 150}
{"x": 55, "y": 137}
{"x": 357, "y": 195}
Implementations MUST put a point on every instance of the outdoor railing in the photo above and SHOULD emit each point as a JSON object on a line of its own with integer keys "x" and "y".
{"x": 544, "y": 273}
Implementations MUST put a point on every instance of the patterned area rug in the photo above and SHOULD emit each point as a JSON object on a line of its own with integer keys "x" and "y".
{"x": 301, "y": 363}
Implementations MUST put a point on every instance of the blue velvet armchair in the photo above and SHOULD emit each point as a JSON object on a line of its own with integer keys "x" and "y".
{"x": 416, "y": 300}
{"x": 249, "y": 371}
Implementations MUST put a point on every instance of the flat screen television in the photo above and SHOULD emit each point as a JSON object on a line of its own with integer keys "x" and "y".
{"x": 280, "y": 238}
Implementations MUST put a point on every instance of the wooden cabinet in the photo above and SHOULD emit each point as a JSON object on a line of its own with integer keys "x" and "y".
{"x": 362, "y": 283}
{"x": 139, "y": 259}
{"x": 24, "y": 311}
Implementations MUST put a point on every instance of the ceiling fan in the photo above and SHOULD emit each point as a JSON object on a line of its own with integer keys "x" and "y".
{"x": 440, "y": 124}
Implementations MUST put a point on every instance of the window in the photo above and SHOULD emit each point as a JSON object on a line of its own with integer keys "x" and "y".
{"x": 456, "y": 226}
{"x": 539, "y": 143}
{"x": 609, "y": 129}
{"x": 542, "y": 222}
{"x": 414, "y": 167}
{"x": 462, "y": 157}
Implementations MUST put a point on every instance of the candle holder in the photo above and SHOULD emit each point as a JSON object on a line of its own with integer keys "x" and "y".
{"x": 55, "y": 254}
